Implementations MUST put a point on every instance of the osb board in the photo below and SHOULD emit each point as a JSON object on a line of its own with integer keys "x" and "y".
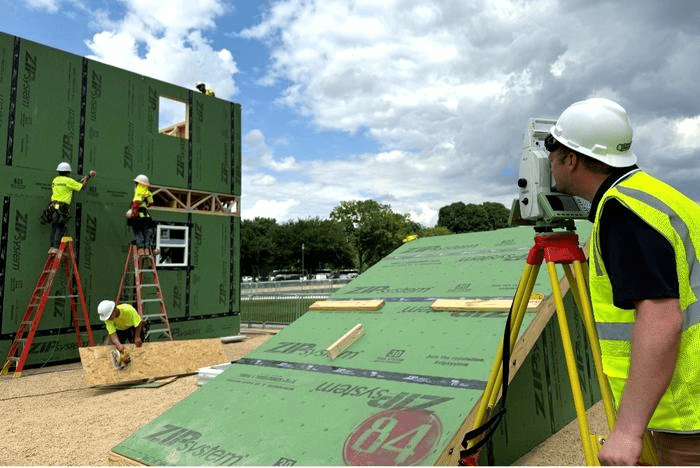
{"x": 152, "y": 360}
{"x": 400, "y": 395}
{"x": 455, "y": 305}
{"x": 347, "y": 305}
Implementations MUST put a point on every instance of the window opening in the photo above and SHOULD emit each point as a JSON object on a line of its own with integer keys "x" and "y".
{"x": 174, "y": 243}
{"x": 172, "y": 117}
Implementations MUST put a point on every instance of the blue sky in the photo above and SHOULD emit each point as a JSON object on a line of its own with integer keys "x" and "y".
{"x": 413, "y": 103}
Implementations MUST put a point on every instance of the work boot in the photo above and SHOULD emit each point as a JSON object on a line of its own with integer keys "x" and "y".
{"x": 140, "y": 251}
{"x": 53, "y": 251}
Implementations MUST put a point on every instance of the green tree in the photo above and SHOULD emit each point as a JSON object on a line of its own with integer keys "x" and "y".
{"x": 435, "y": 231}
{"x": 372, "y": 228}
{"x": 498, "y": 214}
{"x": 258, "y": 246}
{"x": 459, "y": 217}
{"x": 324, "y": 246}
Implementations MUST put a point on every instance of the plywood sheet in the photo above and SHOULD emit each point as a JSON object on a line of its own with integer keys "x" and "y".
{"x": 152, "y": 360}
{"x": 452, "y": 305}
{"x": 375, "y": 304}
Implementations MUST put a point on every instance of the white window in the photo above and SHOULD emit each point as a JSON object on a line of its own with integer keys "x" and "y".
{"x": 173, "y": 242}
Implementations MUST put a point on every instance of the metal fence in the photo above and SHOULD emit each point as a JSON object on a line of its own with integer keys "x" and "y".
{"x": 282, "y": 302}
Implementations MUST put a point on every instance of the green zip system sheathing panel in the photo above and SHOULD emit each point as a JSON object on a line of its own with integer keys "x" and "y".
{"x": 400, "y": 393}
{"x": 55, "y": 107}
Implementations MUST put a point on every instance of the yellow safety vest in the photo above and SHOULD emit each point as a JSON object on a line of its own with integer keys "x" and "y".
{"x": 143, "y": 195}
{"x": 677, "y": 218}
{"x": 62, "y": 189}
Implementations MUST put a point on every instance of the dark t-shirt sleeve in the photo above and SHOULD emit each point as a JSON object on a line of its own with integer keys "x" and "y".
{"x": 640, "y": 261}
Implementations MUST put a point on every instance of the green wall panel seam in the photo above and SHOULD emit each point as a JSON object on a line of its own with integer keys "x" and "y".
{"x": 83, "y": 117}
{"x": 13, "y": 103}
{"x": 3, "y": 253}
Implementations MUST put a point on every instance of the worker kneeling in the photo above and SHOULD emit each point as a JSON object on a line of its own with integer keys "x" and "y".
{"x": 123, "y": 324}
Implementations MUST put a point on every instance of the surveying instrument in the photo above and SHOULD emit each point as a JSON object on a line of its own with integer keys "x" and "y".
{"x": 553, "y": 215}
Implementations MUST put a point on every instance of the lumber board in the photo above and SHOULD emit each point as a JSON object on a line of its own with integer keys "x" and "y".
{"x": 345, "y": 341}
{"x": 345, "y": 306}
{"x": 157, "y": 359}
{"x": 114, "y": 459}
{"x": 456, "y": 305}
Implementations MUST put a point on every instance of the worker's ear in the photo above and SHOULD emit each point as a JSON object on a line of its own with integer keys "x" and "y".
{"x": 572, "y": 161}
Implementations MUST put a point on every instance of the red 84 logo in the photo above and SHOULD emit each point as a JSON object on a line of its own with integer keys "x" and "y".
{"x": 393, "y": 437}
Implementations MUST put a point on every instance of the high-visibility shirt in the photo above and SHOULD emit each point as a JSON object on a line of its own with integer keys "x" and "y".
{"x": 128, "y": 317}
{"x": 142, "y": 195}
{"x": 62, "y": 189}
{"x": 677, "y": 218}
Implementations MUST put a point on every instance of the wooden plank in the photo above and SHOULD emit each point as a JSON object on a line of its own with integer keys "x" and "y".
{"x": 344, "y": 342}
{"x": 456, "y": 305}
{"x": 114, "y": 459}
{"x": 345, "y": 306}
{"x": 153, "y": 360}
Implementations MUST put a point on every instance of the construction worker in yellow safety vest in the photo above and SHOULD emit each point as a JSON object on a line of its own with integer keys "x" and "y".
{"x": 123, "y": 323}
{"x": 644, "y": 277}
{"x": 139, "y": 218}
{"x": 58, "y": 211}
{"x": 204, "y": 89}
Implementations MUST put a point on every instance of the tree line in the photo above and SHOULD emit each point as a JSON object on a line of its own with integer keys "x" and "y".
{"x": 356, "y": 235}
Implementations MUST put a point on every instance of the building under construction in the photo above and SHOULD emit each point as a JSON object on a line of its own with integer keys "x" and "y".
{"x": 55, "y": 106}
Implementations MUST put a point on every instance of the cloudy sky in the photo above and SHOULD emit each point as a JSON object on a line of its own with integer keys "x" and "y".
{"x": 413, "y": 103}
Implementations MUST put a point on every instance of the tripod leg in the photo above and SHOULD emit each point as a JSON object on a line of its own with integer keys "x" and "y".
{"x": 589, "y": 450}
{"x": 586, "y": 310}
{"x": 578, "y": 284}
{"x": 520, "y": 302}
{"x": 526, "y": 283}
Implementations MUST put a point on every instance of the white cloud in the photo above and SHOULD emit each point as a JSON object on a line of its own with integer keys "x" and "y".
{"x": 51, "y": 6}
{"x": 166, "y": 40}
{"x": 260, "y": 154}
{"x": 446, "y": 87}
{"x": 688, "y": 131}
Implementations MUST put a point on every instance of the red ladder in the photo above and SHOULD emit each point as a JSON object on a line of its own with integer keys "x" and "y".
{"x": 19, "y": 349}
{"x": 140, "y": 293}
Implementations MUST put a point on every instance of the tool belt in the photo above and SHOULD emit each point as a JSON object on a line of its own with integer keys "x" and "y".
{"x": 55, "y": 212}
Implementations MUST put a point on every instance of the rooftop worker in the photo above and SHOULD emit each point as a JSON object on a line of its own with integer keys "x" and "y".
{"x": 123, "y": 323}
{"x": 58, "y": 211}
{"x": 204, "y": 89}
{"x": 138, "y": 216}
{"x": 644, "y": 282}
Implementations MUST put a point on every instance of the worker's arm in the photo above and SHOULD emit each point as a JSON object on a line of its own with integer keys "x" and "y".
{"x": 116, "y": 342}
{"x": 655, "y": 341}
{"x": 137, "y": 334}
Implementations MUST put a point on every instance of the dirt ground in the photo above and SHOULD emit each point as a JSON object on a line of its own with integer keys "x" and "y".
{"x": 51, "y": 417}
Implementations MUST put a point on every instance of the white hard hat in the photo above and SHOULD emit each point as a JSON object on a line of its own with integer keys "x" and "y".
{"x": 63, "y": 167}
{"x": 142, "y": 179}
{"x": 598, "y": 128}
{"x": 105, "y": 308}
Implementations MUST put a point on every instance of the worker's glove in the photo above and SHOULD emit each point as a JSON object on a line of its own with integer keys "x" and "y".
{"x": 124, "y": 358}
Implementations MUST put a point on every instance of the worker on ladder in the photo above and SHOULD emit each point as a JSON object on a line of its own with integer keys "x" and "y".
{"x": 57, "y": 212}
{"x": 139, "y": 218}
{"x": 123, "y": 323}
{"x": 643, "y": 285}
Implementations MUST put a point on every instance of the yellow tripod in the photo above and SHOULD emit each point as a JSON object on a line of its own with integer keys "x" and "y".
{"x": 558, "y": 248}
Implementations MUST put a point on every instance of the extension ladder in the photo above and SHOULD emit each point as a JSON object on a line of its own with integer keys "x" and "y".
{"x": 21, "y": 345}
{"x": 137, "y": 288}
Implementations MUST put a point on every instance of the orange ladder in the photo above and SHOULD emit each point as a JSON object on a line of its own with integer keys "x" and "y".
{"x": 21, "y": 345}
{"x": 136, "y": 291}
